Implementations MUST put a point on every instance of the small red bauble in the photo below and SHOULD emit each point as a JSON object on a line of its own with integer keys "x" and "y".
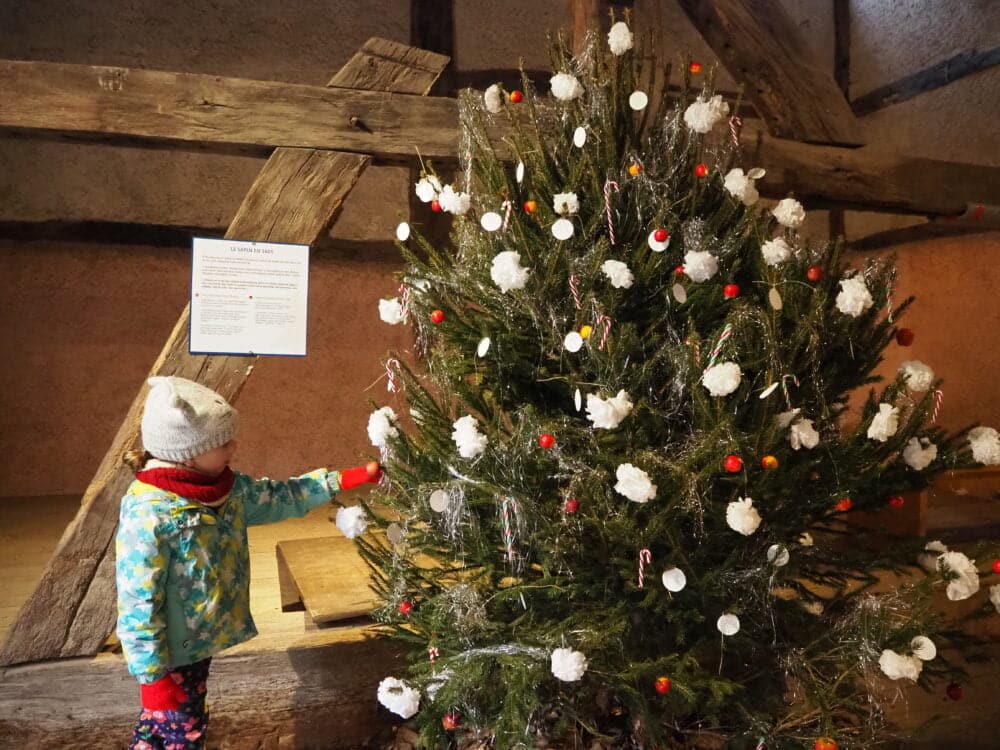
{"x": 954, "y": 691}
{"x": 733, "y": 463}
{"x": 634, "y": 169}
{"x": 896, "y": 501}
{"x": 701, "y": 170}
{"x": 451, "y": 720}
{"x": 530, "y": 206}
{"x": 679, "y": 270}
{"x": 435, "y": 205}
{"x": 814, "y": 273}
{"x": 660, "y": 235}
{"x": 904, "y": 337}
{"x": 825, "y": 743}
{"x": 572, "y": 505}
{"x": 546, "y": 440}
{"x": 769, "y": 463}
{"x": 437, "y": 316}
{"x": 405, "y": 608}
{"x": 844, "y": 504}
{"x": 731, "y": 290}
{"x": 516, "y": 96}
{"x": 662, "y": 685}
{"x": 996, "y": 567}
{"x": 695, "y": 67}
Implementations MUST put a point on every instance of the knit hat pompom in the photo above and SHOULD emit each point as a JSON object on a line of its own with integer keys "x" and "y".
{"x": 183, "y": 419}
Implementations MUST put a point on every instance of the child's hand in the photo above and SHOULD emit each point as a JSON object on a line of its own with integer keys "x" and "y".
{"x": 162, "y": 695}
{"x": 357, "y": 475}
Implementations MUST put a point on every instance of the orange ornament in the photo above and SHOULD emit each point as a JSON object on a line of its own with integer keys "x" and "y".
{"x": 516, "y": 96}
{"x": 825, "y": 743}
{"x": 451, "y": 721}
{"x": 634, "y": 169}
{"x": 769, "y": 463}
{"x": 695, "y": 67}
{"x": 530, "y": 206}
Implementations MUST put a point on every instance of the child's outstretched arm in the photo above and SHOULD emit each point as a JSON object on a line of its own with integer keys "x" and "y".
{"x": 267, "y": 501}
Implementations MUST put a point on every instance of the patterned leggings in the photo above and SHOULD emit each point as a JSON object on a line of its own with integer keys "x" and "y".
{"x": 183, "y": 729}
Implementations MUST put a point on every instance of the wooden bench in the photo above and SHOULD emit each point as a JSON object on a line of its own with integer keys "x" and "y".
{"x": 325, "y": 577}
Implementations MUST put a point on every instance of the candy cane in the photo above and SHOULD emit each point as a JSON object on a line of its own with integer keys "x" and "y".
{"x": 784, "y": 387}
{"x": 574, "y": 286}
{"x": 404, "y": 293}
{"x": 938, "y": 398}
{"x": 726, "y": 333}
{"x": 607, "y": 206}
{"x": 606, "y": 321}
{"x": 645, "y": 558}
{"x": 888, "y": 306}
{"x": 508, "y": 508}
{"x": 391, "y": 384}
{"x": 506, "y": 212}
{"x": 735, "y": 123}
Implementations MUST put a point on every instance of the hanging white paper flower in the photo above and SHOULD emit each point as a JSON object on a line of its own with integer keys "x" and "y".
{"x": 789, "y": 213}
{"x": 776, "y": 251}
{"x": 806, "y": 539}
{"x": 620, "y": 38}
{"x": 391, "y": 311}
{"x": 352, "y": 521}
{"x": 467, "y": 437}
{"x": 918, "y": 453}
{"x": 619, "y": 274}
{"x": 634, "y": 484}
{"x": 608, "y": 414}
{"x": 985, "y": 443}
{"x": 493, "y": 99}
{"x": 674, "y": 579}
{"x": 454, "y": 202}
{"x": 900, "y": 666}
{"x": 700, "y": 265}
{"x": 722, "y": 379}
{"x": 428, "y": 188}
{"x": 565, "y": 87}
{"x": 728, "y": 624}
{"x": 919, "y": 377}
{"x": 784, "y": 419}
{"x": 701, "y": 115}
{"x": 854, "y": 297}
{"x": 803, "y": 435}
{"x": 742, "y": 186}
{"x": 398, "y": 697}
{"x": 923, "y": 648}
{"x": 507, "y": 271}
{"x": 884, "y": 423}
{"x": 928, "y": 560}
{"x": 742, "y": 516}
{"x": 995, "y": 596}
{"x": 381, "y": 427}
{"x": 568, "y": 665}
{"x": 565, "y": 204}
{"x": 962, "y": 574}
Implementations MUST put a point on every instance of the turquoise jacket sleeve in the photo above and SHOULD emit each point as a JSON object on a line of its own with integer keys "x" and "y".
{"x": 142, "y": 557}
{"x": 267, "y": 501}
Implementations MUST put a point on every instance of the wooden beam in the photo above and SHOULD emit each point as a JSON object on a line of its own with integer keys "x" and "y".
{"x": 928, "y": 230}
{"x": 842, "y": 45}
{"x": 928, "y": 79}
{"x": 586, "y": 16}
{"x": 432, "y": 28}
{"x": 93, "y": 103}
{"x": 760, "y": 46}
{"x": 294, "y": 199}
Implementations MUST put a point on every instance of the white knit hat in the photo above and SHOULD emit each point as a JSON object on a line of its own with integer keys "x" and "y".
{"x": 183, "y": 419}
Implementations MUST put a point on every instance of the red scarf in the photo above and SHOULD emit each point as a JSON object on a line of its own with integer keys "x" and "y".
{"x": 191, "y": 485}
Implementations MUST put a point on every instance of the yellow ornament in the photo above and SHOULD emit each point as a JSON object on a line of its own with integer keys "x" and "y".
{"x": 769, "y": 463}
{"x": 585, "y": 332}
{"x": 634, "y": 169}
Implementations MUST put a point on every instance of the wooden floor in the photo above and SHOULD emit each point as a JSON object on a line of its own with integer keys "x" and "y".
{"x": 30, "y": 529}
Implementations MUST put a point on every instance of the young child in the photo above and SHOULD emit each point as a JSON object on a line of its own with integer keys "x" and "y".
{"x": 183, "y": 568}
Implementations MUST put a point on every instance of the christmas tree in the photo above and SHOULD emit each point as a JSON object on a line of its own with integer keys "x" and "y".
{"x": 618, "y": 482}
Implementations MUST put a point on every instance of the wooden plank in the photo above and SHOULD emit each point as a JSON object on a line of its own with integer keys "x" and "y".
{"x": 294, "y": 199}
{"x": 760, "y": 46}
{"x": 94, "y": 102}
{"x": 432, "y": 27}
{"x": 327, "y": 575}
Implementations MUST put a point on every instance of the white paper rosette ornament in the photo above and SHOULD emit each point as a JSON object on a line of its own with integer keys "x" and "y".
{"x": 722, "y": 379}
{"x": 619, "y": 38}
{"x": 352, "y": 521}
{"x": 565, "y": 204}
{"x": 962, "y": 575}
{"x": 398, "y": 697}
{"x": 742, "y": 517}
{"x": 700, "y": 265}
{"x": 391, "y": 311}
{"x": 493, "y": 99}
{"x": 900, "y": 666}
{"x": 776, "y": 251}
{"x": 618, "y": 273}
{"x": 919, "y": 377}
{"x": 427, "y": 188}
{"x": 995, "y": 597}
{"x": 568, "y": 665}
{"x": 919, "y": 452}
{"x": 702, "y": 115}
{"x": 803, "y": 435}
{"x": 854, "y": 297}
{"x": 884, "y": 423}
{"x": 634, "y": 484}
{"x": 468, "y": 439}
{"x": 382, "y": 426}
{"x": 789, "y": 213}
{"x": 607, "y": 414}
{"x": 565, "y": 87}
{"x": 985, "y": 444}
{"x": 507, "y": 271}
{"x": 743, "y": 186}
{"x": 454, "y": 202}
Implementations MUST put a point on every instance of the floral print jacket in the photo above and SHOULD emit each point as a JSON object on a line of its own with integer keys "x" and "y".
{"x": 183, "y": 569}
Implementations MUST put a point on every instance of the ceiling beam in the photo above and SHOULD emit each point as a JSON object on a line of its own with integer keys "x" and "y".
{"x": 759, "y": 44}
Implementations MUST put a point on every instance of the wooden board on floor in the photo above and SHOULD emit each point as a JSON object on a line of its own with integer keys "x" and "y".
{"x": 327, "y": 576}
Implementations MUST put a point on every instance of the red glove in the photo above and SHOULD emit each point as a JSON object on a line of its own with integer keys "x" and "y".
{"x": 358, "y": 475}
{"x": 162, "y": 695}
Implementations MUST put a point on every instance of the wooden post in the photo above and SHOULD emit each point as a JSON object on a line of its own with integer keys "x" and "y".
{"x": 294, "y": 199}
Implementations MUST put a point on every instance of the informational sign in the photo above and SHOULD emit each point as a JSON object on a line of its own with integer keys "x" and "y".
{"x": 248, "y": 297}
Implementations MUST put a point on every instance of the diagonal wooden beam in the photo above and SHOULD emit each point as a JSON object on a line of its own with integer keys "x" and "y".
{"x": 760, "y": 46}
{"x": 294, "y": 199}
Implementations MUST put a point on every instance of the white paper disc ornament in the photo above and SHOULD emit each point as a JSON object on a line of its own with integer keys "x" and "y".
{"x": 573, "y": 342}
{"x": 562, "y": 229}
{"x": 638, "y": 100}
{"x": 484, "y": 346}
{"x": 777, "y": 555}
{"x": 767, "y": 391}
{"x": 519, "y": 172}
{"x": 402, "y": 231}
{"x": 578, "y": 399}
{"x": 440, "y": 501}
{"x": 579, "y": 137}
{"x": 491, "y": 221}
{"x": 680, "y": 293}
{"x": 395, "y": 533}
{"x": 728, "y": 624}
{"x": 674, "y": 579}
{"x": 654, "y": 245}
